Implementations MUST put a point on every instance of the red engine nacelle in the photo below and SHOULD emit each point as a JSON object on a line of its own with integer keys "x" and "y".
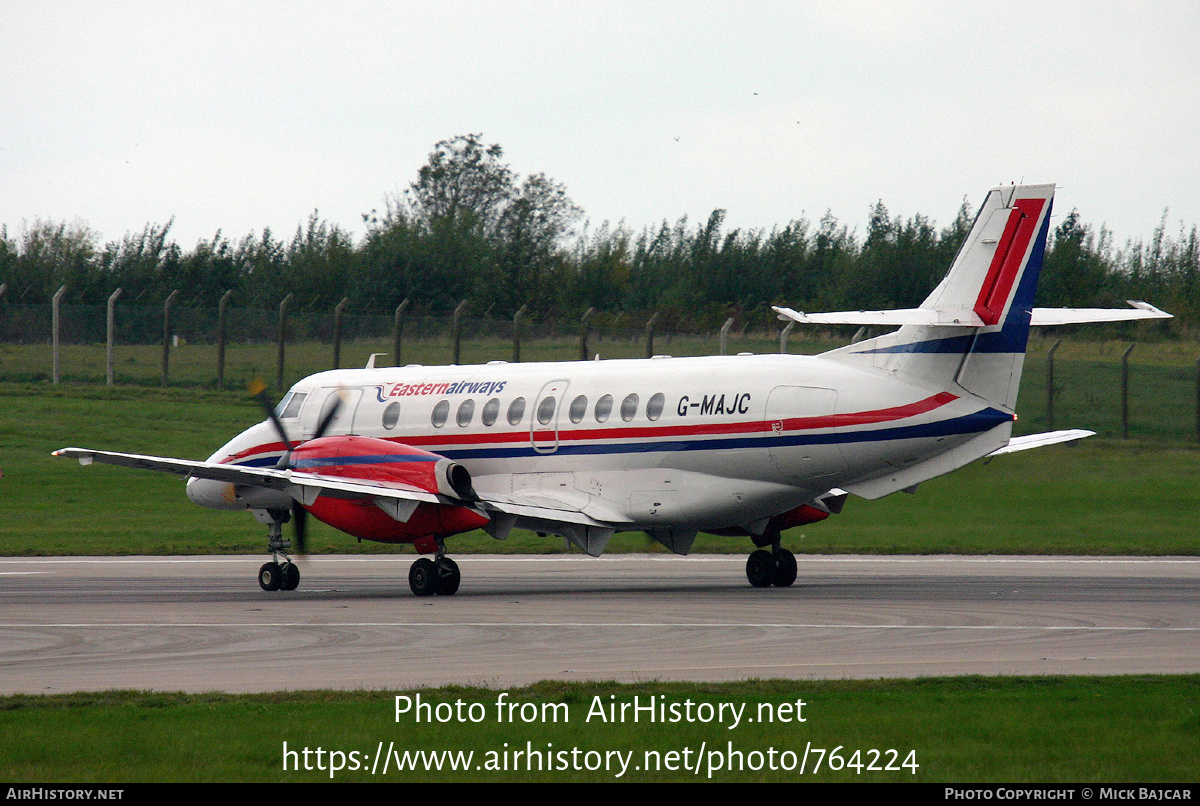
{"x": 377, "y": 460}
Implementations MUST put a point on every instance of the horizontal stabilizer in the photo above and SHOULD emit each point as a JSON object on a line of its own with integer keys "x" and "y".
{"x": 1077, "y": 316}
{"x": 1041, "y": 440}
{"x": 896, "y": 318}
{"x": 931, "y": 317}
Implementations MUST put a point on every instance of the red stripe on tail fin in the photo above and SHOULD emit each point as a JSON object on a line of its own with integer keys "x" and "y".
{"x": 1006, "y": 263}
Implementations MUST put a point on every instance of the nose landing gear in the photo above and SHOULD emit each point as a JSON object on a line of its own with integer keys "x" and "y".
{"x": 281, "y": 574}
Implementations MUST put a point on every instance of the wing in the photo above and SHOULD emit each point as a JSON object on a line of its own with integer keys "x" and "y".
{"x": 304, "y": 487}
{"x": 540, "y": 512}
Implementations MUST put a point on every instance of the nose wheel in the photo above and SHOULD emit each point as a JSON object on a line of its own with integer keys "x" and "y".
{"x": 281, "y": 574}
{"x": 427, "y": 577}
{"x": 275, "y": 576}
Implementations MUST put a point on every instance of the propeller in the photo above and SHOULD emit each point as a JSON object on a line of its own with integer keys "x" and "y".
{"x": 258, "y": 390}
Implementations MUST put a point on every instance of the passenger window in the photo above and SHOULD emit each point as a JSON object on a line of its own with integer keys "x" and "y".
{"x": 545, "y": 410}
{"x": 391, "y": 415}
{"x": 578, "y": 408}
{"x": 604, "y": 408}
{"x": 491, "y": 410}
{"x": 440, "y": 412}
{"x": 629, "y": 407}
{"x": 654, "y": 407}
{"x": 516, "y": 411}
{"x": 466, "y": 410}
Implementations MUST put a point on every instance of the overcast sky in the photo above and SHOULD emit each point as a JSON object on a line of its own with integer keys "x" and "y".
{"x": 238, "y": 115}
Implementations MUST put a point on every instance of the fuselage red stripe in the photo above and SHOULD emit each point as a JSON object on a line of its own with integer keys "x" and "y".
{"x": 450, "y": 438}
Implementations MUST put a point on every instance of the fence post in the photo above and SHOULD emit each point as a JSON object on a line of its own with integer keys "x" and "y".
{"x": 725, "y": 328}
{"x": 280, "y": 341}
{"x": 517, "y": 334}
{"x": 783, "y": 336}
{"x": 337, "y": 332}
{"x": 398, "y": 333}
{"x": 1198, "y": 399}
{"x": 650, "y": 335}
{"x": 55, "y": 327}
{"x": 457, "y": 326}
{"x": 1125, "y": 391}
{"x": 110, "y": 334}
{"x": 584, "y": 328}
{"x": 1050, "y": 385}
{"x": 167, "y": 334}
{"x": 221, "y": 338}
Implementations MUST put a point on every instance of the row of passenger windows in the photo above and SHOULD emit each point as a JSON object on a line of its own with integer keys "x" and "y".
{"x": 577, "y": 411}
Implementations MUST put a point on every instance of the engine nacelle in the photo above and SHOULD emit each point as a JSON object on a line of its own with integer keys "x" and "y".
{"x": 378, "y": 460}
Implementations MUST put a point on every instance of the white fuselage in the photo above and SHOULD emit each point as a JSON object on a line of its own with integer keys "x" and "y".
{"x": 710, "y": 443}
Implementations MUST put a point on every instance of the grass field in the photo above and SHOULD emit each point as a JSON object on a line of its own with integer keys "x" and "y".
{"x": 1097, "y": 497}
{"x": 1105, "y": 495}
{"x": 974, "y": 729}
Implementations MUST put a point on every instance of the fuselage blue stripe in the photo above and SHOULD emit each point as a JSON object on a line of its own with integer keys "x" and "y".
{"x": 975, "y": 423}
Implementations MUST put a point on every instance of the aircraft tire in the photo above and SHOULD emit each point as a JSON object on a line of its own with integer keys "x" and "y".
{"x": 422, "y": 577}
{"x": 760, "y": 568}
{"x": 270, "y": 576}
{"x": 784, "y": 572}
{"x": 291, "y": 577}
{"x": 447, "y": 577}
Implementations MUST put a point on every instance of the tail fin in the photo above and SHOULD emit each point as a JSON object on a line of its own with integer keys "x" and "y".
{"x": 972, "y": 330}
{"x": 996, "y": 274}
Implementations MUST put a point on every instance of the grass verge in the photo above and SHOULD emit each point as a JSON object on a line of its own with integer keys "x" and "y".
{"x": 968, "y": 729}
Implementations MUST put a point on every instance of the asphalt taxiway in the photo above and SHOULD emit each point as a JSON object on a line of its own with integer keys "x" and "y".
{"x": 202, "y": 623}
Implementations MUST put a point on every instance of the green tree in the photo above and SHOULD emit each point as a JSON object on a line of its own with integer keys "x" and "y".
{"x": 1074, "y": 273}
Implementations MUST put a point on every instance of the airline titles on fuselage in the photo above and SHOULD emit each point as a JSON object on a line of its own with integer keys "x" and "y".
{"x": 384, "y": 391}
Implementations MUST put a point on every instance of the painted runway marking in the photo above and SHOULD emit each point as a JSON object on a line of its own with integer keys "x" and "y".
{"x": 585, "y": 624}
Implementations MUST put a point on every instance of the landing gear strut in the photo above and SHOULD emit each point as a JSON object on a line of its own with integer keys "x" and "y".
{"x": 281, "y": 574}
{"x": 775, "y": 567}
{"x": 440, "y": 575}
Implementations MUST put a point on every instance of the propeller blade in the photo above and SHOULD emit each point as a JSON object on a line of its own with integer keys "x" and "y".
{"x": 258, "y": 390}
{"x": 300, "y": 525}
{"x": 335, "y": 403}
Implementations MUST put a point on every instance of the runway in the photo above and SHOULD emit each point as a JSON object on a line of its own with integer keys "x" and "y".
{"x": 202, "y": 623}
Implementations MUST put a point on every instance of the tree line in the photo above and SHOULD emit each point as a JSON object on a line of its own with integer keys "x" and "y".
{"x": 469, "y": 228}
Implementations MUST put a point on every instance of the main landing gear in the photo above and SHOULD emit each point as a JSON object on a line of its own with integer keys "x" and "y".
{"x": 440, "y": 575}
{"x": 281, "y": 574}
{"x": 775, "y": 567}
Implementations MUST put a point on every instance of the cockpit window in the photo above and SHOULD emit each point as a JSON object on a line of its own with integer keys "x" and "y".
{"x": 289, "y": 407}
